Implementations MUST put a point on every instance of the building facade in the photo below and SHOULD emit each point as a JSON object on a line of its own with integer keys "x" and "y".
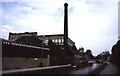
{"x": 32, "y": 39}
{"x": 58, "y": 39}
{"x": 15, "y": 36}
{"x": 21, "y": 56}
{"x": 80, "y": 56}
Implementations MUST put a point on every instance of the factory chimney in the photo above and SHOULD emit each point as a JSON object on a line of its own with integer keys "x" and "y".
{"x": 65, "y": 26}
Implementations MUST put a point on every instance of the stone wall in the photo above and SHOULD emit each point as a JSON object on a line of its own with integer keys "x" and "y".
{"x": 22, "y": 62}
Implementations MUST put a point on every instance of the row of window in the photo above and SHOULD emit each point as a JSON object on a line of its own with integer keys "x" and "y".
{"x": 14, "y": 37}
{"x": 57, "y": 41}
{"x": 16, "y": 44}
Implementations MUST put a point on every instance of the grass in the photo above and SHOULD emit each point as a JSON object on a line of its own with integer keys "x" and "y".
{"x": 97, "y": 70}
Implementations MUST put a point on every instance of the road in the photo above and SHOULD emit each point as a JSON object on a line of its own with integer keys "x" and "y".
{"x": 110, "y": 69}
{"x": 85, "y": 70}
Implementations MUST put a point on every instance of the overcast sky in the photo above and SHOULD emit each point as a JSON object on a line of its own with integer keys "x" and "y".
{"x": 92, "y": 24}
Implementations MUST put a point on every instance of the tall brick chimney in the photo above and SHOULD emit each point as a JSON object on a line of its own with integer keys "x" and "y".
{"x": 65, "y": 25}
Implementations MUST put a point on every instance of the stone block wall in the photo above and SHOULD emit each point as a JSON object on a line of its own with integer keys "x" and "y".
{"x": 9, "y": 63}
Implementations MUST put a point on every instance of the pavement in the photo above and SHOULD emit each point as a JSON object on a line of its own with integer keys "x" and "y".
{"x": 110, "y": 69}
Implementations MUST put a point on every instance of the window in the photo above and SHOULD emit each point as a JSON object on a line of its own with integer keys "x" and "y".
{"x": 59, "y": 40}
{"x": 35, "y": 59}
{"x": 62, "y": 40}
{"x": 46, "y": 42}
{"x": 13, "y": 36}
{"x": 55, "y": 40}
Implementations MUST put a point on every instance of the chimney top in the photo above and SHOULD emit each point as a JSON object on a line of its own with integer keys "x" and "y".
{"x": 65, "y": 4}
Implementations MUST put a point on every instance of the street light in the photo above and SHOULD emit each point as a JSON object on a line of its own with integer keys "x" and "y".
{"x": 42, "y": 44}
{"x": 41, "y": 64}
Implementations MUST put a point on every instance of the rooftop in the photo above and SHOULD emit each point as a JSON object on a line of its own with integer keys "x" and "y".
{"x": 23, "y": 33}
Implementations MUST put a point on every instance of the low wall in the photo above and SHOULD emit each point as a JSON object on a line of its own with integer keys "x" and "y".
{"x": 61, "y": 69}
{"x": 9, "y": 63}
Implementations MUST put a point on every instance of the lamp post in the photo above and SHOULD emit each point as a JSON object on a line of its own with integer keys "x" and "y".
{"x": 42, "y": 44}
{"x": 41, "y": 64}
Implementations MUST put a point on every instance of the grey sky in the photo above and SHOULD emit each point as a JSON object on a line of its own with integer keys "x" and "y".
{"x": 92, "y": 24}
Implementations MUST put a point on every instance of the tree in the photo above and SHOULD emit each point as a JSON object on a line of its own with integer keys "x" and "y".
{"x": 104, "y": 55}
{"x": 89, "y": 54}
{"x": 81, "y": 49}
